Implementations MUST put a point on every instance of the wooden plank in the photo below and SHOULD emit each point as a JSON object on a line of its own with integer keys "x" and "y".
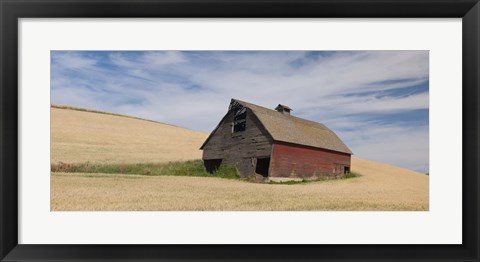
{"x": 239, "y": 148}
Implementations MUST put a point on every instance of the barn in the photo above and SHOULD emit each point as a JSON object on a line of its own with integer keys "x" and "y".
{"x": 273, "y": 144}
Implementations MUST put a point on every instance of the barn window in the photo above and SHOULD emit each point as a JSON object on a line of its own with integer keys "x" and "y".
{"x": 239, "y": 120}
{"x": 346, "y": 170}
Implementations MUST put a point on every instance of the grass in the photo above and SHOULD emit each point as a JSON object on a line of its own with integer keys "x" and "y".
{"x": 193, "y": 168}
{"x": 186, "y": 168}
{"x": 351, "y": 175}
{"x": 180, "y": 187}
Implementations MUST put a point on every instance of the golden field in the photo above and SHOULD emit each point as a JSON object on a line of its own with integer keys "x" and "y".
{"x": 79, "y": 136}
{"x": 82, "y": 136}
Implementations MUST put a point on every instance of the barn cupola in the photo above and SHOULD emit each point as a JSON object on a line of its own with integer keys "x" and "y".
{"x": 283, "y": 109}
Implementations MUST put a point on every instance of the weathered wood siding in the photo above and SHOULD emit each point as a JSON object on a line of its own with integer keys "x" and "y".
{"x": 289, "y": 160}
{"x": 239, "y": 149}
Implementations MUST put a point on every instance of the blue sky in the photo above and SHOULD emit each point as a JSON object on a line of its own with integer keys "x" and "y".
{"x": 376, "y": 101}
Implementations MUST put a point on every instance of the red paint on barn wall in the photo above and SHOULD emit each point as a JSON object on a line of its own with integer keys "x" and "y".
{"x": 289, "y": 160}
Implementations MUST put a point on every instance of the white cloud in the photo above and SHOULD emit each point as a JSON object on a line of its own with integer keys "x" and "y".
{"x": 193, "y": 90}
{"x": 69, "y": 60}
{"x": 397, "y": 145}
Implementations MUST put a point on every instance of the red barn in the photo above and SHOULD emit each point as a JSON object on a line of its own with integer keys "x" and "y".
{"x": 273, "y": 144}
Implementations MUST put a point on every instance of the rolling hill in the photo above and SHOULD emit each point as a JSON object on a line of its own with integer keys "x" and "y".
{"x": 80, "y": 135}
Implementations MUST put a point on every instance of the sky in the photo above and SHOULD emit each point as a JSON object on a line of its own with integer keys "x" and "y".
{"x": 376, "y": 101}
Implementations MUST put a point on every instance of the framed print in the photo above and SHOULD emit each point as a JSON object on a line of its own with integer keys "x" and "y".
{"x": 225, "y": 130}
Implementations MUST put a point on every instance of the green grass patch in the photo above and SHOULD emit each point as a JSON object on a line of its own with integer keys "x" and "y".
{"x": 187, "y": 168}
{"x": 351, "y": 175}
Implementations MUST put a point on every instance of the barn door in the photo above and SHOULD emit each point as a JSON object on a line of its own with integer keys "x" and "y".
{"x": 263, "y": 164}
{"x": 339, "y": 169}
{"x": 212, "y": 165}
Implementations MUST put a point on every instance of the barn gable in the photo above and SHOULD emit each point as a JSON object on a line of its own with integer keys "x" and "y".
{"x": 228, "y": 118}
{"x": 238, "y": 140}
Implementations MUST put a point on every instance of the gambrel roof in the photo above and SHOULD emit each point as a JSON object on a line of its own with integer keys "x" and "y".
{"x": 295, "y": 130}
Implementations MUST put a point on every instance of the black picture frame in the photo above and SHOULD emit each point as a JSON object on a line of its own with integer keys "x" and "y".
{"x": 12, "y": 10}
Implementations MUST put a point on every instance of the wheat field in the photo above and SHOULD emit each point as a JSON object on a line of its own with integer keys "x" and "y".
{"x": 82, "y": 136}
{"x": 79, "y": 136}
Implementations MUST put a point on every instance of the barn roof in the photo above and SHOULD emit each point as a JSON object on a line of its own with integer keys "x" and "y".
{"x": 295, "y": 130}
{"x": 292, "y": 129}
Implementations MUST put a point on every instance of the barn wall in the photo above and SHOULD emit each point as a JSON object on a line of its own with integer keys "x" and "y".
{"x": 239, "y": 149}
{"x": 290, "y": 160}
